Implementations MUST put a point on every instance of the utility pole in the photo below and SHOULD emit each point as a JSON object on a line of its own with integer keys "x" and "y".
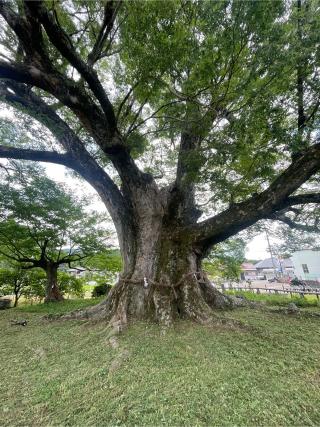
{"x": 270, "y": 250}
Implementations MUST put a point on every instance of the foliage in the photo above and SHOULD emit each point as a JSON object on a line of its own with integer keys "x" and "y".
{"x": 295, "y": 240}
{"x": 105, "y": 267}
{"x": 108, "y": 260}
{"x": 100, "y": 290}
{"x": 42, "y": 221}
{"x": 230, "y": 66}
{"x": 296, "y": 282}
{"x": 233, "y": 64}
{"x": 18, "y": 282}
{"x": 71, "y": 285}
{"x": 226, "y": 259}
{"x": 198, "y": 365}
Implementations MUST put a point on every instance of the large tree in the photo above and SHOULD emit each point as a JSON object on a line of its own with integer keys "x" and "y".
{"x": 43, "y": 226}
{"x": 192, "y": 120}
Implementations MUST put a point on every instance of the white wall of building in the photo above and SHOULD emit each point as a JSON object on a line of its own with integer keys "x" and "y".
{"x": 306, "y": 260}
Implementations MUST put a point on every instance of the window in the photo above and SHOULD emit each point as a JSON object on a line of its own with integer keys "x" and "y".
{"x": 305, "y": 268}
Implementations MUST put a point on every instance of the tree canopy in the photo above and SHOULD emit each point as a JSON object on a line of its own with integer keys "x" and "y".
{"x": 42, "y": 225}
{"x": 19, "y": 282}
{"x": 241, "y": 74}
{"x": 192, "y": 120}
{"x": 226, "y": 259}
{"x": 40, "y": 219}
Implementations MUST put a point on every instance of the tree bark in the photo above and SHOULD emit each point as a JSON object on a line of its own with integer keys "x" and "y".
{"x": 16, "y": 299}
{"x": 177, "y": 288}
{"x": 165, "y": 280}
{"x": 53, "y": 293}
{"x": 16, "y": 292}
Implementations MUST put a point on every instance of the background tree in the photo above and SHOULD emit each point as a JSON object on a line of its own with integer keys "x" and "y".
{"x": 226, "y": 259}
{"x": 29, "y": 284}
{"x": 104, "y": 267}
{"x": 293, "y": 240}
{"x": 69, "y": 284}
{"x": 192, "y": 120}
{"x": 20, "y": 282}
{"x": 44, "y": 226}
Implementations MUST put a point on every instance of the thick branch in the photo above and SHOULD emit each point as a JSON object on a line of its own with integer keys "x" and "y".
{"x": 301, "y": 199}
{"x": 35, "y": 155}
{"x": 87, "y": 112}
{"x": 110, "y": 12}
{"x": 275, "y": 198}
{"x": 61, "y": 41}
{"x": 28, "y": 33}
{"x": 65, "y": 91}
{"x": 77, "y": 157}
{"x": 182, "y": 203}
{"x": 41, "y": 73}
{"x": 80, "y": 159}
{"x": 72, "y": 258}
{"x": 35, "y": 263}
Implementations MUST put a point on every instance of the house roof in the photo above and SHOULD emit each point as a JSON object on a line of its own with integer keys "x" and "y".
{"x": 274, "y": 263}
{"x": 77, "y": 269}
{"x": 248, "y": 266}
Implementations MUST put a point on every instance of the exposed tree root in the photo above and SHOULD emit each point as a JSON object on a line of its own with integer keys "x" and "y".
{"x": 193, "y": 298}
{"x": 293, "y": 312}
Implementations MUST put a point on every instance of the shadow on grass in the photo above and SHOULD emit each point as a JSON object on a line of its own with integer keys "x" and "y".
{"x": 59, "y": 307}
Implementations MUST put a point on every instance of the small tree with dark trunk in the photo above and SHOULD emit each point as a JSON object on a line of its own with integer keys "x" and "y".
{"x": 13, "y": 283}
{"x": 192, "y": 120}
{"x": 19, "y": 282}
{"x": 44, "y": 226}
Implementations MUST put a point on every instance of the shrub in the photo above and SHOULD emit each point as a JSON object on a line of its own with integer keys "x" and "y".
{"x": 69, "y": 284}
{"x": 296, "y": 282}
{"x": 100, "y": 290}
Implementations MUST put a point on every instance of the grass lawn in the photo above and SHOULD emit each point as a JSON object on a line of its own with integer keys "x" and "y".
{"x": 70, "y": 374}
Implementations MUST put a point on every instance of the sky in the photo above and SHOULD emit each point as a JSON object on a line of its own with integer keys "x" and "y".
{"x": 257, "y": 248}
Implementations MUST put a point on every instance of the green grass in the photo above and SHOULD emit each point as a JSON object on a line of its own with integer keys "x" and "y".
{"x": 57, "y": 308}
{"x": 278, "y": 299}
{"x": 67, "y": 373}
{"x": 88, "y": 288}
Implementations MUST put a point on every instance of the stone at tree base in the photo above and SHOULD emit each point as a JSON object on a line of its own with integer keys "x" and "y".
{"x": 114, "y": 343}
{"x": 19, "y": 322}
{"x": 5, "y": 303}
{"x": 292, "y": 308}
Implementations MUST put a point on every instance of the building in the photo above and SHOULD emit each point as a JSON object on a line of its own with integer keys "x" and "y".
{"x": 77, "y": 271}
{"x": 248, "y": 271}
{"x": 307, "y": 264}
{"x": 270, "y": 268}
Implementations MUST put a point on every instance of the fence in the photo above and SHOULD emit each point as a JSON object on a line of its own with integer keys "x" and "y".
{"x": 291, "y": 290}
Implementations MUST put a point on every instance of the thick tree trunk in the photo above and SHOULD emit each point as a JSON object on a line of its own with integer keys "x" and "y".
{"x": 53, "y": 293}
{"x": 167, "y": 283}
{"x": 162, "y": 278}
